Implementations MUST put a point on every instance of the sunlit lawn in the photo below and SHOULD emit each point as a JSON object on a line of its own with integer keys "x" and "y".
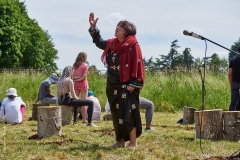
{"x": 170, "y": 140}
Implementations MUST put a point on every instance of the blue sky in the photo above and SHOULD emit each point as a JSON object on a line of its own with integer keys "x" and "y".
{"x": 158, "y": 22}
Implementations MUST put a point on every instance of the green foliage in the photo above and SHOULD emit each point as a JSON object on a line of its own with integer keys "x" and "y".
{"x": 234, "y": 47}
{"x": 23, "y": 43}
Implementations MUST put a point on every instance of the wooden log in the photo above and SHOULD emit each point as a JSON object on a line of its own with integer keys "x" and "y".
{"x": 35, "y": 111}
{"x": 107, "y": 117}
{"x": 49, "y": 121}
{"x": 231, "y": 125}
{"x": 67, "y": 113}
{"x": 209, "y": 124}
{"x": 188, "y": 115}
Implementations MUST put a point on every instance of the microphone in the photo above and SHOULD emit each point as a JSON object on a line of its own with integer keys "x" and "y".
{"x": 186, "y": 33}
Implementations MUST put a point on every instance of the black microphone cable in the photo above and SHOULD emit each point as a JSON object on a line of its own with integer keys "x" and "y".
{"x": 203, "y": 94}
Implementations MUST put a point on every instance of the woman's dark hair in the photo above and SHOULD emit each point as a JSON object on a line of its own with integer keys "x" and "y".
{"x": 238, "y": 49}
{"x": 129, "y": 27}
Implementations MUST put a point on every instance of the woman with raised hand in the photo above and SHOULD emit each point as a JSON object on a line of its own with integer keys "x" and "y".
{"x": 122, "y": 57}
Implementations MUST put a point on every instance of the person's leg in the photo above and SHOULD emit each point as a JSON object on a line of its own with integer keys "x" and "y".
{"x": 49, "y": 100}
{"x": 148, "y": 105}
{"x": 22, "y": 109}
{"x": 75, "y": 114}
{"x": 119, "y": 143}
{"x": 83, "y": 102}
{"x": 83, "y": 108}
{"x": 234, "y": 96}
{"x": 133, "y": 139}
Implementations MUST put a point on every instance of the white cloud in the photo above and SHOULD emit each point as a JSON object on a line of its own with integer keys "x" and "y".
{"x": 114, "y": 18}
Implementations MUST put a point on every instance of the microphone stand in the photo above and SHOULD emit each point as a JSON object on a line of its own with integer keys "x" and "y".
{"x": 203, "y": 89}
{"x": 203, "y": 38}
{"x": 203, "y": 94}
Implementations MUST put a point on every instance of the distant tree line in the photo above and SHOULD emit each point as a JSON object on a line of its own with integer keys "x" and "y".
{"x": 185, "y": 60}
{"x": 23, "y": 43}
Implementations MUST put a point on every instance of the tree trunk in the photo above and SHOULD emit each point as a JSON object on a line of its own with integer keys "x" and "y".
{"x": 208, "y": 124}
{"x": 188, "y": 115}
{"x": 67, "y": 113}
{"x": 49, "y": 121}
{"x": 35, "y": 111}
{"x": 231, "y": 122}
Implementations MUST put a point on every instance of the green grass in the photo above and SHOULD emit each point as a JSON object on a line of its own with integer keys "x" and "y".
{"x": 169, "y": 93}
{"x": 170, "y": 141}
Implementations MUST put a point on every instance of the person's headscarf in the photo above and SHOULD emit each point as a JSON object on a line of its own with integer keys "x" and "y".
{"x": 131, "y": 62}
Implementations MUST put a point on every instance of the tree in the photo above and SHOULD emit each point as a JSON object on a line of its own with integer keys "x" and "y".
{"x": 234, "y": 47}
{"x": 23, "y": 43}
{"x": 148, "y": 64}
{"x": 218, "y": 64}
{"x": 171, "y": 60}
{"x": 188, "y": 59}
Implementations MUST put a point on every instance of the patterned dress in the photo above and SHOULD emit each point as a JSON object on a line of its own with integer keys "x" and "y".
{"x": 123, "y": 104}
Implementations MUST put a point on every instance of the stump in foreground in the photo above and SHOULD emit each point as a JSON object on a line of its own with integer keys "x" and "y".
{"x": 35, "y": 111}
{"x": 188, "y": 115}
{"x": 67, "y": 113}
{"x": 49, "y": 121}
{"x": 208, "y": 124}
{"x": 231, "y": 122}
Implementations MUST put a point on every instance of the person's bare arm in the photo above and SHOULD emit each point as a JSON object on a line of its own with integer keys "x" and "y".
{"x": 49, "y": 92}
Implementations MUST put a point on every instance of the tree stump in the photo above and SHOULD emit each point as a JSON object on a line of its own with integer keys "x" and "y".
{"x": 107, "y": 117}
{"x": 49, "y": 121}
{"x": 209, "y": 124}
{"x": 231, "y": 122}
{"x": 188, "y": 115}
{"x": 67, "y": 113}
{"x": 35, "y": 111}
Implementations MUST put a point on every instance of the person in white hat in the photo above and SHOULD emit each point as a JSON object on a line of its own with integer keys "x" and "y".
{"x": 12, "y": 107}
{"x": 44, "y": 93}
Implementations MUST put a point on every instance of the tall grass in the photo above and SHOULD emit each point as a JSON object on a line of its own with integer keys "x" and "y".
{"x": 173, "y": 91}
{"x": 169, "y": 91}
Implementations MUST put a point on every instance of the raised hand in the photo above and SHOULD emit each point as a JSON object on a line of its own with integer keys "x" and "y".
{"x": 92, "y": 21}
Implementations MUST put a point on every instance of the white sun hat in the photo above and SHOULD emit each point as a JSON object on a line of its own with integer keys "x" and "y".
{"x": 11, "y": 91}
{"x": 54, "y": 78}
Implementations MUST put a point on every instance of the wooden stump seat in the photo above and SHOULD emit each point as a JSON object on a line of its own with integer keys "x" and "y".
{"x": 209, "y": 124}
{"x": 35, "y": 111}
{"x": 49, "y": 121}
{"x": 231, "y": 123}
{"x": 188, "y": 115}
{"x": 67, "y": 113}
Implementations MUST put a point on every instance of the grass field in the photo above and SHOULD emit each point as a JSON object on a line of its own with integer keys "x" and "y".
{"x": 170, "y": 140}
{"x": 173, "y": 141}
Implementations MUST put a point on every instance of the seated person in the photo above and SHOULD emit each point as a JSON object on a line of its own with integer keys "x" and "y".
{"x": 12, "y": 107}
{"x": 66, "y": 95}
{"x": 143, "y": 104}
{"x": 44, "y": 93}
{"x": 96, "y": 107}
